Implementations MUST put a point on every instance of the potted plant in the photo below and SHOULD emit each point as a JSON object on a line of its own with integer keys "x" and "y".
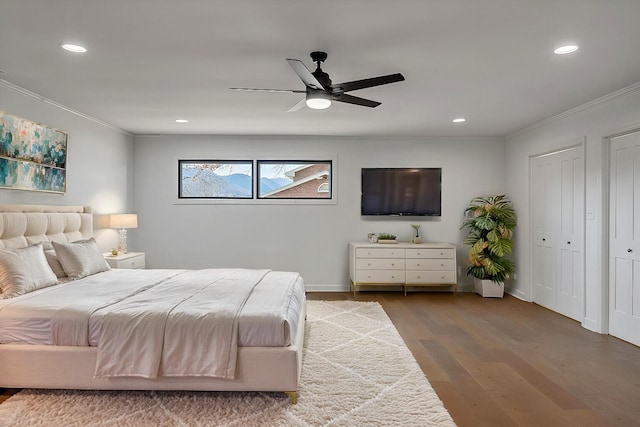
{"x": 386, "y": 238}
{"x": 490, "y": 222}
{"x": 416, "y": 238}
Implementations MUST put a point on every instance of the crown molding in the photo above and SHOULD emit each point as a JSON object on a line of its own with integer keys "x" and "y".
{"x": 23, "y": 91}
{"x": 587, "y": 105}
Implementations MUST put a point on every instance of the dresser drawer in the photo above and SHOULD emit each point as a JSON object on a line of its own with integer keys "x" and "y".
{"x": 430, "y": 253}
{"x": 436, "y": 277}
{"x": 380, "y": 276}
{"x": 379, "y": 253}
{"x": 430, "y": 264}
{"x": 380, "y": 264}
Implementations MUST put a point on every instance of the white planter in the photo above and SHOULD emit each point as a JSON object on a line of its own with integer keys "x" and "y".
{"x": 488, "y": 288}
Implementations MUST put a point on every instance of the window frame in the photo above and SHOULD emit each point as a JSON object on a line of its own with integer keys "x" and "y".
{"x": 255, "y": 201}
{"x": 247, "y": 162}
{"x": 329, "y": 181}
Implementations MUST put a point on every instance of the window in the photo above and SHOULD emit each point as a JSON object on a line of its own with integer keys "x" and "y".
{"x": 215, "y": 179}
{"x": 294, "y": 179}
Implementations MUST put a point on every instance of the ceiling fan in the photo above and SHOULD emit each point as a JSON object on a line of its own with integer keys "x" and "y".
{"x": 319, "y": 89}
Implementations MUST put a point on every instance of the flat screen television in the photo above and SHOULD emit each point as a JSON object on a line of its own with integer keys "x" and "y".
{"x": 401, "y": 191}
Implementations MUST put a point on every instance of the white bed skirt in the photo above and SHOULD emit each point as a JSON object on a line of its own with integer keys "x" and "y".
{"x": 60, "y": 367}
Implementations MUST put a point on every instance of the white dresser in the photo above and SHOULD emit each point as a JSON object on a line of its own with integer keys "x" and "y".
{"x": 405, "y": 264}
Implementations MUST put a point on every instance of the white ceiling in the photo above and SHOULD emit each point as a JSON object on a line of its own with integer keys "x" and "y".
{"x": 152, "y": 61}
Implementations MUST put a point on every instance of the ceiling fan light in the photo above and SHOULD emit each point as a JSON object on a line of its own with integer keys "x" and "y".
{"x": 318, "y": 100}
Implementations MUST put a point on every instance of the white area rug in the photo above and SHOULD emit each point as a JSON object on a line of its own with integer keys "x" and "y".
{"x": 357, "y": 371}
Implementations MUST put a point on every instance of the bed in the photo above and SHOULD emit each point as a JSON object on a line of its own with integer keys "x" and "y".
{"x": 67, "y": 335}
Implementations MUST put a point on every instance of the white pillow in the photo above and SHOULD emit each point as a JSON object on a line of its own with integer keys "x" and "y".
{"x": 24, "y": 270}
{"x": 54, "y": 263}
{"x": 80, "y": 259}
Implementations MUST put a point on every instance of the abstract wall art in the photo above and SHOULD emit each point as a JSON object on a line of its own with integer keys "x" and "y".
{"x": 32, "y": 156}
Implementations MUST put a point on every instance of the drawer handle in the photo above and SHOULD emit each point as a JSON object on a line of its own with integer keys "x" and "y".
{"x": 418, "y": 277}
{"x": 418, "y": 264}
{"x": 392, "y": 264}
{"x": 393, "y": 277}
{"x": 441, "y": 265}
{"x": 441, "y": 253}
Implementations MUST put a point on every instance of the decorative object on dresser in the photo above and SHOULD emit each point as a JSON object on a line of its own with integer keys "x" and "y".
{"x": 490, "y": 222}
{"x": 32, "y": 156}
{"x": 386, "y": 238}
{"x": 404, "y": 264}
{"x": 123, "y": 221}
{"x": 132, "y": 260}
{"x": 416, "y": 238}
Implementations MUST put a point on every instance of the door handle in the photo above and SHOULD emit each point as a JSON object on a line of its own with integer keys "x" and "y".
{"x": 544, "y": 240}
{"x": 568, "y": 243}
{"x": 629, "y": 250}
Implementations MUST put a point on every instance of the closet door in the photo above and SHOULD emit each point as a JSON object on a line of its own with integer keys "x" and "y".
{"x": 624, "y": 235}
{"x": 557, "y": 213}
{"x": 544, "y": 191}
{"x": 571, "y": 237}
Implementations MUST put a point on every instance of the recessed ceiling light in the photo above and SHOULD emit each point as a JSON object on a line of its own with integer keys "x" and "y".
{"x": 563, "y": 50}
{"x": 73, "y": 48}
{"x": 459, "y": 120}
{"x": 182, "y": 121}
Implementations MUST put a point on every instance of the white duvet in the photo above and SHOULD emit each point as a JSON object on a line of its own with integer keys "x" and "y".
{"x": 152, "y": 323}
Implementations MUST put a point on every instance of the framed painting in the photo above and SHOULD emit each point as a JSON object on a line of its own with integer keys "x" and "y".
{"x": 32, "y": 156}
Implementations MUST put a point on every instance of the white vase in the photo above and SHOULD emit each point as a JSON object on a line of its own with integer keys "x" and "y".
{"x": 489, "y": 288}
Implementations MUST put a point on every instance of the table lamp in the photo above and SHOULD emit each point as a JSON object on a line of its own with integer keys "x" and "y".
{"x": 123, "y": 221}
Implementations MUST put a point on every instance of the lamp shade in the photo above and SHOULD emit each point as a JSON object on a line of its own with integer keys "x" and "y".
{"x": 123, "y": 221}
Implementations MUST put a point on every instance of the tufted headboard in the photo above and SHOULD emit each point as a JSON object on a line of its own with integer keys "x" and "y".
{"x": 24, "y": 225}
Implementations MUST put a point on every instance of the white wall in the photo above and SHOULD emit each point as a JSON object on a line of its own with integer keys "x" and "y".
{"x": 312, "y": 239}
{"x": 590, "y": 124}
{"x": 99, "y": 164}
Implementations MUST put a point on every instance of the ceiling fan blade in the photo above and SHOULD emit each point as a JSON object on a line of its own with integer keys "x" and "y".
{"x": 350, "y": 99}
{"x": 298, "y": 105}
{"x": 305, "y": 75}
{"x": 267, "y": 90}
{"x": 365, "y": 83}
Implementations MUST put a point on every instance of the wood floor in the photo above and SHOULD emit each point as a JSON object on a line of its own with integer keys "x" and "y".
{"x": 510, "y": 363}
{"x": 505, "y": 362}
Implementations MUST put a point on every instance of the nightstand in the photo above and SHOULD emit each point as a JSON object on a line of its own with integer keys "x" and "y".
{"x": 129, "y": 260}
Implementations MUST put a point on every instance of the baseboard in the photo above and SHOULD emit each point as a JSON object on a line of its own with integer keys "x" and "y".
{"x": 593, "y": 326}
{"x": 518, "y": 294}
{"x": 327, "y": 288}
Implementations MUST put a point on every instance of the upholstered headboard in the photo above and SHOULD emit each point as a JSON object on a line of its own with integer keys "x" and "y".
{"x": 24, "y": 225}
